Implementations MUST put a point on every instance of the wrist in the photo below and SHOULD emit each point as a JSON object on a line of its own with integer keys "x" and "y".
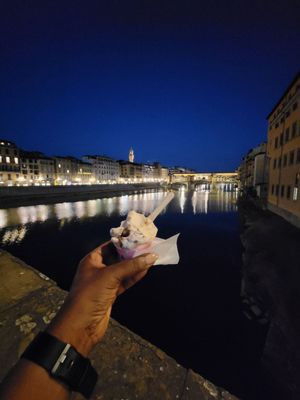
{"x": 65, "y": 328}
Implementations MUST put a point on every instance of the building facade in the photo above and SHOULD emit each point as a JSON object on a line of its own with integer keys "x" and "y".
{"x": 283, "y": 151}
{"x": 9, "y": 164}
{"x": 131, "y": 172}
{"x": 104, "y": 169}
{"x": 148, "y": 172}
{"x": 65, "y": 170}
{"x": 36, "y": 169}
{"x": 253, "y": 171}
{"x": 85, "y": 174}
{"x": 165, "y": 174}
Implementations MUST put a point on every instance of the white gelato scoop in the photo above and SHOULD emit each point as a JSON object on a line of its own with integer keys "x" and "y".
{"x": 137, "y": 234}
{"x": 135, "y": 230}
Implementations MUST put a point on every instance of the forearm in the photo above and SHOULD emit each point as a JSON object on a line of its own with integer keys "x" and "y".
{"x": 28, "y": 380}
{"x": 31, "y": 382}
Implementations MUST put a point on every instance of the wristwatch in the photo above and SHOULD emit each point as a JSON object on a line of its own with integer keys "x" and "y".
{"x": 63, "y": 362}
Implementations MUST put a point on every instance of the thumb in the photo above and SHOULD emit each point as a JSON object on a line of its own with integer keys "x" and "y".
{"x": 127, "y": 268}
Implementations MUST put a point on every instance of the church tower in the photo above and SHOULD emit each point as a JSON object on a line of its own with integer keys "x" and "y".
{"x": 131, "y": 155}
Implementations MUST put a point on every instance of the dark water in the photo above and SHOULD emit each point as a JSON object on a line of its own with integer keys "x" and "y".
{"x": 193, "y": 310}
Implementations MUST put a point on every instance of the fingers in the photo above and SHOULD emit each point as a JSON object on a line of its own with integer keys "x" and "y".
{"x": 127, "y": 269}
{"x": 131, "y": 281}
{"x": 94, "y": 259}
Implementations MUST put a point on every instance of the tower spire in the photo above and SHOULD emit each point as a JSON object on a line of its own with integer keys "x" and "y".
{"x": 131, "y": 155}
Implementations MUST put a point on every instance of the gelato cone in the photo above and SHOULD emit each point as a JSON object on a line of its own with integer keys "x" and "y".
{"x": 135, "y": 234}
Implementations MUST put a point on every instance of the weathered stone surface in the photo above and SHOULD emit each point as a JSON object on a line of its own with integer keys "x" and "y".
{"x": 129, "y": 367}
{"x": 17, "y": 280}
{"x": 196, "y": 387}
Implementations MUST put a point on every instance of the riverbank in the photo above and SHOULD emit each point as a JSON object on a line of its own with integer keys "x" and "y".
{"x": 33, "y": 195}
{"x": 271, "y": 275}
{"x": 128, "y": 366}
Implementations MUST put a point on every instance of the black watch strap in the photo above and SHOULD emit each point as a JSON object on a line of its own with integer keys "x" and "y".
{"x": 63, "y": 362}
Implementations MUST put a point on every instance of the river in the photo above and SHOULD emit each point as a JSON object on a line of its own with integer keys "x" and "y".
{"x": 193, "y": 311}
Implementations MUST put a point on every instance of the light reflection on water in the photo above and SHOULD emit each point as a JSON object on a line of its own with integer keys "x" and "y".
{"x": 16, "y": 222}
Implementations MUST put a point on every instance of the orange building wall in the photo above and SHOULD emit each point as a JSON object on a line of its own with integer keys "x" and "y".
{"x": 285, "y": 116}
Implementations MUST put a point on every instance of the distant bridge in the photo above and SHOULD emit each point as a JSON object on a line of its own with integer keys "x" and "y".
{"x": 225, "y": 181}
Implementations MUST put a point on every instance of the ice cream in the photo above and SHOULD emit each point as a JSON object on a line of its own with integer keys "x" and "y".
{"x": 137, "y": 233}
{"x": 135, "y": 230}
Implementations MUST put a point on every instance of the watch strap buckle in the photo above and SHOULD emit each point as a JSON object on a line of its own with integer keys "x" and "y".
{"x": 61, "y": 359}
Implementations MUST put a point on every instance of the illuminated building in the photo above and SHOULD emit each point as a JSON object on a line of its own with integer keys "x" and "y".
{"x": 65, "y": 170}
{"x": 283, "y": 150}
{"x": 71, "y": 171}
{"x": 130, "y": 171}
{"x": 131, "y": 155}
{"x": 253, "y": 171}
{"x": 36, "y": 169}
{"x": 104, "y": 168}
{"x": 164, "y": 174}
{"x": 9, "y": 164}
{"x": 84, "y": 173}
{"x": 148, "y": 172}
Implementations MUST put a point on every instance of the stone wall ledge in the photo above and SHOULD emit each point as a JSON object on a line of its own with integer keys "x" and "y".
{"x": 129, "y": 367}
{"x": 15, "y": 196}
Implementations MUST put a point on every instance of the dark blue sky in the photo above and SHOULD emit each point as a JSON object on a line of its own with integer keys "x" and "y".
{"x": 183, "y": 82}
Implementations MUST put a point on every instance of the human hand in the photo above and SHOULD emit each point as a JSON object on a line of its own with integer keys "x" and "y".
{"x": 83, "y": 319}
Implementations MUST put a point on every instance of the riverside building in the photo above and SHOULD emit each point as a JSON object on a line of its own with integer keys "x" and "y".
{"x": 130, "y": 172}
{"x": 71, "y": 171}
{"x": 253, "y": 171}
{"x": 283, "y": 150}
{"x": 104, "y": 169}
{"x": 36, "y": 169}
{"x": 9, "y": 164}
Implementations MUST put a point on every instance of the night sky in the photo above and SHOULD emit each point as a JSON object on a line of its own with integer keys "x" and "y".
{"x": 182, "y": 82}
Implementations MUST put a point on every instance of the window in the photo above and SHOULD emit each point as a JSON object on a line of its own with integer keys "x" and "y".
{"x": 295, "y": 193}
{"x": 285, "y": 160}
{"x": 7, "y": 159}
{"x": 16, "y": 160}
{"x": 0, "y": 158}
{"x": 294, "y": 129}
{"x": 274, "y": 163}
{"x": 276, "y": 143}
{"x": 298, "y": 156}
{"x": 282, "y": 120}
{"x": 281, "y": 139}
{"x": 288, "y": 192}
{"x": 295, "y": 105}
{"x": 276, "y": 126}
{"x": 292, "y": 156}
{"x": 287, "y": 114}
{"x": 282, "y": 191}
{"x": 279, "y": 162}
{"x": 277, "y": 190}
{"x": 9, "y": 177}
{"x": 287, "y": 134}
